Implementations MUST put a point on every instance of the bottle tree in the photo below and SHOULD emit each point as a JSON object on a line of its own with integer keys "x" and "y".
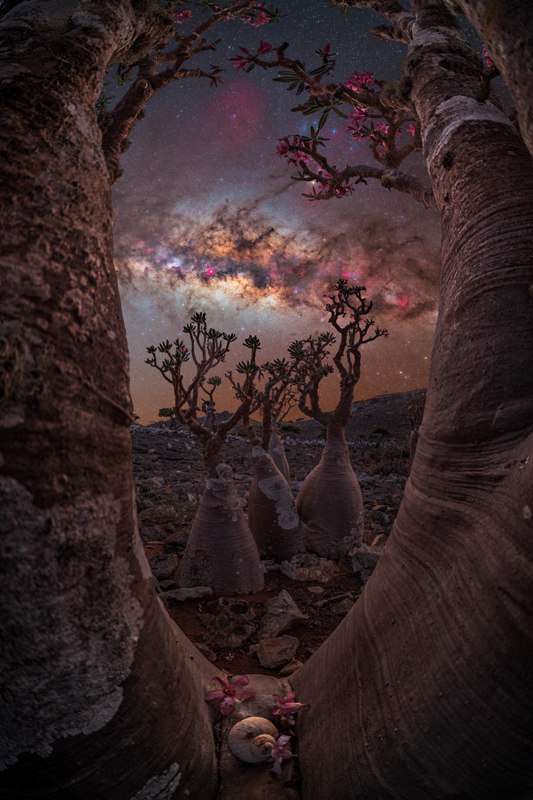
{"x": 220, "y": 551}
{"x": 279, "y": 399}
{"x": 330, "y": 501}
{"x": 272, "y": 514}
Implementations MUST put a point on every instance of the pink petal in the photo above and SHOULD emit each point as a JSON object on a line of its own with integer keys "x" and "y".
{"x": 227, "y": 705}
{"x": 214, "y": 694}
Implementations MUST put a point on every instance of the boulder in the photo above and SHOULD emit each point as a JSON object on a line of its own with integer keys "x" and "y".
{"x": 277, "y": 652}
{"x": 281, "y": 614}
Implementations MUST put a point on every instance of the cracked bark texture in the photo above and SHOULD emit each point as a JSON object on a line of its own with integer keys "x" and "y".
{"x": 425, "y": 690}
{"x": 272, "y": 515}
{"x": 102, "y": 694}
{"x": 506, "y": 27}
{"x": 330, "y": 503}
{"x": 221, "y": 551}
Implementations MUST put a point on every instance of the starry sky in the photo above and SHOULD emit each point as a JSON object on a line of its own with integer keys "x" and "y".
{"x": 207, "y": 216}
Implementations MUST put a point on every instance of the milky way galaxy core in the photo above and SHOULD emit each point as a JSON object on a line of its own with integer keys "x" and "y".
{"x": 208, "y": 218}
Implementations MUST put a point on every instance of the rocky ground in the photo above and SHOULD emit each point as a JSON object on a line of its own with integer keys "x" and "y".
{"x": 304, "y": 600}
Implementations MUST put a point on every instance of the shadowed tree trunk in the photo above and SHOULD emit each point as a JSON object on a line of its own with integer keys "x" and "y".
{"x": 330, "y": 502}
{"x": 425, "y": 690}
{"x": 272, "y": 514}
{"x": 102, "y": 696}
{"x": 221, "y": 551}
{"x": 507, "y": 29}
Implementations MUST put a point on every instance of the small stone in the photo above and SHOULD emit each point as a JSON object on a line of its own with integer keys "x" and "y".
{"x": 309, "y": 567}
{"x": 192, "y": 593}
{"x": 291, "y": 667}
{"x": 379, "y": 540}
{"x": 277, "y": 652}
{"x": 315, "y": 589}
{"x": 281, "y": 614}
{"x": 526, "y": 512}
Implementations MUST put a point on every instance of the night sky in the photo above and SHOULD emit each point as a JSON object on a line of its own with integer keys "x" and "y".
{"x": 207, "y": 217}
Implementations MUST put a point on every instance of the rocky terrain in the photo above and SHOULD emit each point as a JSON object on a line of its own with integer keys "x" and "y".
{"x": 277, "y": 629}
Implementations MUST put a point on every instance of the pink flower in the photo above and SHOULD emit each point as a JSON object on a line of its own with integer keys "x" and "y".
{"x": 264, "y": 47}
{"x": 287, "y": 707}
{"x": 360, "y": 81}
{"x": 240, "y": 62}
{"x": 487, "y": 58}
{"x": 181, "y": 16}
{"x": 283, "y": 147}
{"x": 259, "y": 18}
{"x": 383, "y": 128}
{"x": 357, "y": 122}
{"x": 232, "y": 691}
{"x": 281, "y": 751}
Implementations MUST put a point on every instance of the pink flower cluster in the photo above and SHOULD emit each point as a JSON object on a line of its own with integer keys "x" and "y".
{"x": 383, "y": 129}
{"x": 290, "y": 147}
{"x": 245, "y": 58}
{"x": 360, "y": 81}
{"x": 280, "y": 752}
{"x": 181, "y": 16}
{"x": 286, "y": 708}
{"x": 232, "y": 690}
{"x": 357, "y": 122}
{"x": 259, "y": 17}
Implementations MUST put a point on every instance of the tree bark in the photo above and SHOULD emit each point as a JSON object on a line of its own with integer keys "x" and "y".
{"x": 102, "y": 694}
{"x": 329, "y": 502}
{"x": 272, "y": 515}
{"x": 221, "y": 551}
{"x": 507, "y": 29}
{"x": 425, "y": 690}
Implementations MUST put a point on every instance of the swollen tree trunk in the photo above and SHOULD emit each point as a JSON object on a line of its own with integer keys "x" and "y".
{"x": 426, "y": 688}
{"x": 329, "y": 502}
{"x": 276, "y": 451}
{"x": 507, "y": 29}
{"x": 102, "y": 696}
{"x": 272, "y": 514}
{"x": 221, "y": 552}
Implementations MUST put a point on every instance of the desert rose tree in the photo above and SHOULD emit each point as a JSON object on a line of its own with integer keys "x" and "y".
{"x": 330, "y": 501}
{"x": 278, "y": 399}
{"x": 220, "y": 551}
{"x": 425, "y": 690}
{"x": 272, "y": 514}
